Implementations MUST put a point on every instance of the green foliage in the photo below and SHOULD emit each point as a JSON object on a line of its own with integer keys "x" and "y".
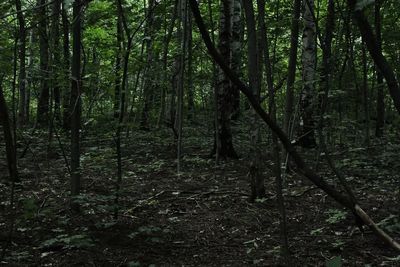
{"x": 66, "y": 241}
{"x": 335, "y": 216}
{"x": 334, "y": 262}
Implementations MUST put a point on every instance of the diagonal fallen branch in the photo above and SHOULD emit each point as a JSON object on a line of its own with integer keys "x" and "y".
{"x": 345, "y": 201}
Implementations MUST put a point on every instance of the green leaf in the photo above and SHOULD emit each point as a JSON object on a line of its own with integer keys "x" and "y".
{"x": 334, "y": 262}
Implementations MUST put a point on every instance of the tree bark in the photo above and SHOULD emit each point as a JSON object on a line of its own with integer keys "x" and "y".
{"x": 291, "y": 75}
{"x": 380, "y": 100}
{"x": 8, "y": 137}
{"x": 22, "y": 81}
{"x": 224, "y": 91}
{"x": 307, "y": 136}
{"x": 76, "y": 86}
{"x": 43, "y": 101}
{"x": 376, "y": 53}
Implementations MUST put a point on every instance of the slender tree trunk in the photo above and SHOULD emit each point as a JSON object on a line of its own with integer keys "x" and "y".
{"x": 165, "y": 91}
{"x": 22, "y": 81}
{"x": 76, "y": 90}
{"x": 380, "y": 100}
{"x": 255, "y": 173}
{"x": 183, "y": 24}
{"x": 43, "y": 101}
{"x": 8, "y": 137}
{"x": 117, "y": 92}
{"x": 272, "y": 111}
{"x": 66, "y": 71}
{"x": 190, "y": 86}
{"x": 148, "y": 86}
{"x": 56, "y": 60}
{"x": 365, "y": 95}
{"x": 291, "y": 75}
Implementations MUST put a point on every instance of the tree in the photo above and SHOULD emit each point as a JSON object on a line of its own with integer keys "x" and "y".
{"x": 23, "y": 112}
{"x": 43, "y": 101}
{"x": 225, "y": 89}
{"x": 307, "y": 137}
{"x": 76, "y": 91}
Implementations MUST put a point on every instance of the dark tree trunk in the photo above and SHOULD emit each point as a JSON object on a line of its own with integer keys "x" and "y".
{"x": 376, "y": 53}
{"x": 291, "y": 75}
{"x": 225, "y": 89}
{"x": 117, "y": 92}
{"x": 75, "y": 104}
{"x": 66, "y": 71}
{"x": 56, "y": 60}
{"x": 8, "y": 137}
{"x": 380, "y": 100}
{"x": 43, "y": 101}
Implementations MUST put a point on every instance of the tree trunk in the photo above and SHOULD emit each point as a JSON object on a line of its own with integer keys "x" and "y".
{"x": 236, "y": 47}
{"x": 225, "y": 89}
{"x": 291, "y": 75}
{"x": 380, "y": 100}
{"x": 264, "y": 53}
{"x": 148, "y": 86}
{"x": 307, "y": 137}
{"x": 66, "y": 71}
{"x": 76, "y": 87}
{"x": 117, "y": 92}
{"x": 254, "y": 74}
{"x": 8, "y": 137}
{"x": 22, "y": 81}
{"x": 56, "y": 60}
{"x": 43, "y": 101}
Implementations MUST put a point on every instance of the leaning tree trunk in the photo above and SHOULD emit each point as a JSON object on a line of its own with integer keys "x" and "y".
{"x": 319, "y": 181}
{"x": 307, "y": 137}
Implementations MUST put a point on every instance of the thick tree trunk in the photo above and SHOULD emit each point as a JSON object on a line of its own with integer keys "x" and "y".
{"x": 236, "y": 47}
{"x": 225, "y": 89}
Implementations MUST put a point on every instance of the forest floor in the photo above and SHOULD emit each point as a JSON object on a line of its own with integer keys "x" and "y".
{"x": 202, "y": 217}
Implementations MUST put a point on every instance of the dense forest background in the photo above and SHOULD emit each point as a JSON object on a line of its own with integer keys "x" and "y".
{"x": 199, "y": 133}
